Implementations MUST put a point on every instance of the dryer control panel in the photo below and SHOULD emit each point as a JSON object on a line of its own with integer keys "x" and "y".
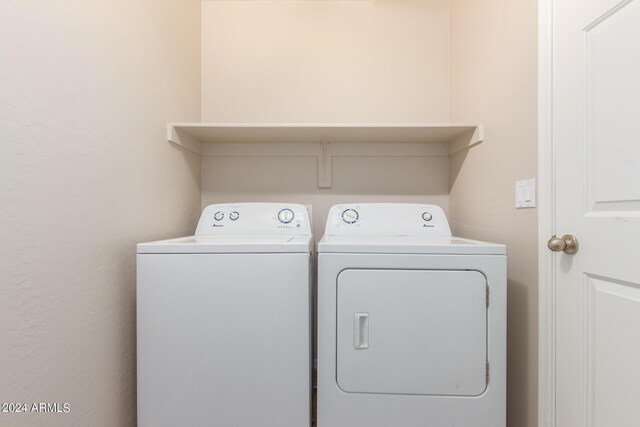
{"x": 387, "y": 219}
{"x": 254, "y": 219}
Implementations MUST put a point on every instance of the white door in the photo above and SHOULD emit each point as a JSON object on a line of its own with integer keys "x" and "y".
{"x": 596, "y": 108}
{"x": 412, "y": 332}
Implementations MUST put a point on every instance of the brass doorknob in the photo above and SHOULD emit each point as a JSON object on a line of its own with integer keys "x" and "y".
{"x": 567, "y": 244}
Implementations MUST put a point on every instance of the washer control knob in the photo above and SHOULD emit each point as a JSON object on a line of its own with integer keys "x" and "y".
{"x": 350, "y": 216}
{"x": 234, "y": 215}
{"x": 218, "y": 216}
{"x": 286, "y": 215}
{"x": 427, "y": 216}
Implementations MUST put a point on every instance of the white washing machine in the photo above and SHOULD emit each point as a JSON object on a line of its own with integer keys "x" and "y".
{"x": 411, "y": 321}
{"x": 223, "y": 321}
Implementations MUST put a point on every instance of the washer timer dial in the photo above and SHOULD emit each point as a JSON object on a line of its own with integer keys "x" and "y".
{"x": 350, "y": 216}
{"x": 234, "y": 215}
{"x": 218, "y": 216}
{"x": 427, "y": 216}
{"x": 286, "y": 215}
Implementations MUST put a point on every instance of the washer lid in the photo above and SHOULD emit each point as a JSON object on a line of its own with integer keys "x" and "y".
{"x": 243, "y": 228}
{"x": 228, "y": 244}
{"x": 408, "y": 245}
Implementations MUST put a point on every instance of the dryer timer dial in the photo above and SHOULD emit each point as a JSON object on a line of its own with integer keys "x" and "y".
{"x": 350, "y": 216}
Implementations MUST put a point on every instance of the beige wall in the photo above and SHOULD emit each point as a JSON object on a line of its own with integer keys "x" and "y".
{"x": 86, "y": 90}
{"x": 85, "y": 172}
{"x": 494, "y": 81}
{"x": 355, "y": 179}
{"x": 325, "y": 61}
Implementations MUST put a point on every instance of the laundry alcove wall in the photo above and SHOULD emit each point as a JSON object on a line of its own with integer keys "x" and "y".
{"x": 89, "y": 87}
{"x": 335, "y": 62}
{"x": 378, "y": 62}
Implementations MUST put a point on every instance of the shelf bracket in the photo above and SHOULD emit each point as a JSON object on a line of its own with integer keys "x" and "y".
{"x": 325, "y": 160}
{"x": 183, "y": 139}
{"x": 467, "y": 140}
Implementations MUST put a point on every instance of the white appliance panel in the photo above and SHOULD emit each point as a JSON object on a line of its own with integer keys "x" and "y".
{"x": 387, "y": 219}
{"x": 236, "y": 219}
{"x": 411, "y": 321}
{"x": 408, "y": 245}
{"x": 223, "y": 339}
{"x": 412, "y": 332}
{"x": 337, "y": 408}
{"x": 228, "y": 244}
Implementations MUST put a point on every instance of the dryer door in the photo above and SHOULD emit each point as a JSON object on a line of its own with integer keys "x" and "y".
{"x": 412, "y": 332}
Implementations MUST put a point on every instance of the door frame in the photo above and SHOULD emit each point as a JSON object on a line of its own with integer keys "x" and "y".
{"x": 546, "y": 221}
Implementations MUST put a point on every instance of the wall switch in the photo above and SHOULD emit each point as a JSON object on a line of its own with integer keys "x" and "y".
{"x": 526, "y": 194}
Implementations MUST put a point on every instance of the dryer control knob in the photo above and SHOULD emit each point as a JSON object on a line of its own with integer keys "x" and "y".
{"x": 350, "y": 216}
{"x": 427, "y": 216}
{"x": 234, "y": 215}
{"x": 286, "y": 215}
{"x": 218, "y": 216}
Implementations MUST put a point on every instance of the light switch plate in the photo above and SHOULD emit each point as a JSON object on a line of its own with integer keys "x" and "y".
{"x": 526, "y": 194}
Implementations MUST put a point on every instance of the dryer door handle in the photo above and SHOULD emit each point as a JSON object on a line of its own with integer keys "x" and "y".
{"x": 361, "y": 331}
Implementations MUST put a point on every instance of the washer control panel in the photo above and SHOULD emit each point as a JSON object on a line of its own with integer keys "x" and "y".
{"x": 387, "y": 219}
{"x": 254, "y": 219}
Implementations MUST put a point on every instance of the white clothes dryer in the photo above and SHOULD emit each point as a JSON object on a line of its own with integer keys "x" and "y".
{"x": 223, "y": 321}
{"x": 411, "y": 321}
